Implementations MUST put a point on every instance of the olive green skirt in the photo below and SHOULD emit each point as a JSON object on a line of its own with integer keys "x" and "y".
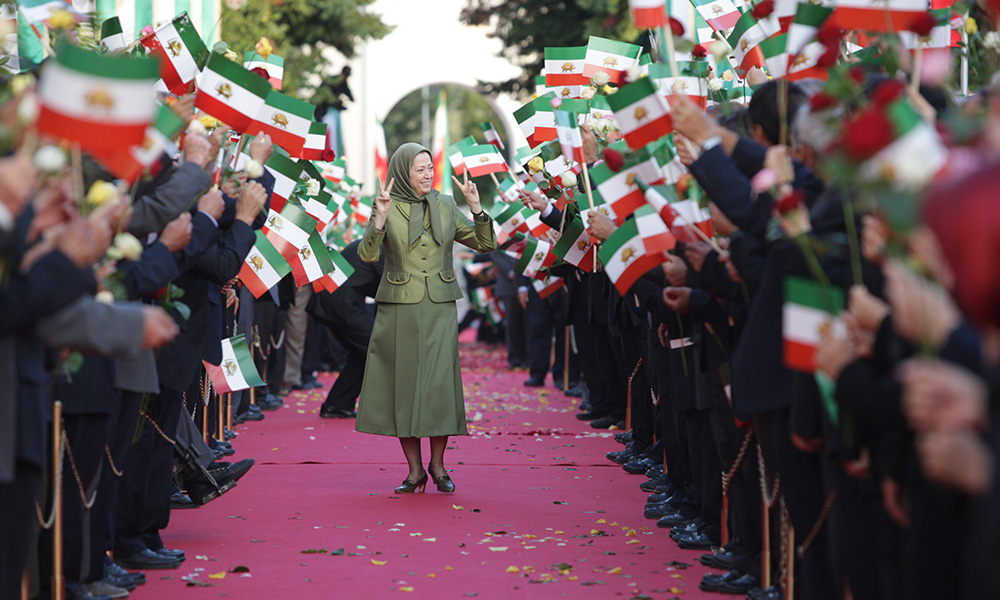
{"x": 413, "y": 382}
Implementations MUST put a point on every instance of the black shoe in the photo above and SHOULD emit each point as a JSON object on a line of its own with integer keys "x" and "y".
{"x": 687, "y": 527}
{"x": 575, "y": 391}
{"x": 225, "y": 473}
{"x": 147, "y": 559}
{"x": 532, "y": 382}
{"x": 711, "y": 582}
{"x": 336, "y": 413}
{"x": 310, "y": 384}
{"x": 639, "y": 465}
{"x": 655, "y": 471}
{"x": 621, "y": 456}
{"x": 739, "y": 585}
{"x": 180, "y": 500}
{"x": 126, "y": 584}
{"x": 625, "y": 437}
{"x": 673, "y": 519}
{"x": 230, "y": 434}
{"x": 653, "y": 484}
{"x": 697, "y": 540}
{"x": 174, "y": 554}
{"x": 603, "y": 422}
{"x": 589, "y": 416}
{"x": 254, "y": 407}
{"x": 768, "y": 593}
{"x": 271, "y": 402}
{"x": 248, "y": 416}
{"x": 112, "y": 569}
{"x": 620, "y": 425}
{"x": 658, "y": 511}
{"x": 724, "y": 559}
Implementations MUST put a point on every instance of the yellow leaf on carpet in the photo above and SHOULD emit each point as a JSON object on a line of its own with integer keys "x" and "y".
{"x": 498, "y": 548}
{"x": 615, "y": 571}
{"x": 378, "y": 562}
{"x": 513, "y": 569}
{"x": 219, "y": 575}
{"x": 406, "y": 588}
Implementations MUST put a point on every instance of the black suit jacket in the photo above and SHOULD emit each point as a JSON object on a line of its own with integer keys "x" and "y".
{"x": 348, "y": 301}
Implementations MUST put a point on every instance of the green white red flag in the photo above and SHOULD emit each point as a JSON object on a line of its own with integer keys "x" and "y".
{"x": 916, "y": 147}
{"x": 317, "y": 146}
{"x": 263, "y": 266}
{"x": 648, "y": 14}
{"x": 534, "y": 111}
{"x": 340, "y": 271}
{"x": 574, "y": 245}
{"x": 273, "y": 64}
{"x": 362, "y": 208}
{"x": 746, "y": 38}
{"x": 877, "y": 15}
{"x": 491, "y": 135}
{"x": 486, "y": 302}
{"x": 237, "y": 370}
{"x": 570, "y": 138}
{"x": 483, "y": 159}
{"x": 721, "y": 15}
{"x": 537, "y": 254}
{"x": 610, "y": 56}
{"x": 128, "y": 163}
{"x": 808, "y": 315}
{"x": 181, "y": 52}
{"x": 509, "y": 217}
{"x": 781, "y": 65}
{"x": 624, "y": 256}
{"x": 655, "y": 236}
{"x": 564, "y": 71}
{"x": 808, "y": 19}
{"x": 691, "y": 84}
{"x": 40, "y": 11}
{"x": 621, "y": 190}
{"x": 548, "y": 286}
{"x": 381, "y": 155}
{"x": 321, "y": 207}
{"x": 314, "y": 260}
{"x": 442, "y": 178}
{"x": 112, "y": 38}
{"x": 454, "y": 152}
{"x": 336, "y": 170}
{"x": 289, "y": 232}
{"x": 509, "y": 190}
{"x": 101, "y": 102}
{"x": 285, "y": 119}
{"x": 642, "y": 113}
{"x": 230, "y": 93}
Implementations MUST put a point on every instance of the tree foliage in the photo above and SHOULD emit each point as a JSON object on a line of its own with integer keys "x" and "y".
{"x": 526, "y": 27}
{"x": 300, "y": 30}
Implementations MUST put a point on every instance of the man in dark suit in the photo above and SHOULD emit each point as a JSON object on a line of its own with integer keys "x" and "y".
{"x": 514, "y": 317}
{"x": 347, "y": 316}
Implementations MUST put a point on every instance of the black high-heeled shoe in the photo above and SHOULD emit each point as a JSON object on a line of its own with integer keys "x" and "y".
{"x": 410, "y": 487}
{"x": 443, "y": 483}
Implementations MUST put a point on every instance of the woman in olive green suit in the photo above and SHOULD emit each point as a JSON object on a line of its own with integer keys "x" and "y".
{"x": 413, "y": 385}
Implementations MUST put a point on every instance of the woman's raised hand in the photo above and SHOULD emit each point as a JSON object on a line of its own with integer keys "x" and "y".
{"x": 470, "y": 192}
{"x": 383, "y": 203}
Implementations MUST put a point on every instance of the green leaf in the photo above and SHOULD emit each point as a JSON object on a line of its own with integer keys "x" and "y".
{"x": 176, "y": 292}
{"x": 314, "y": 551}
{"x": 241, "y": 569}
{"x": 183, "y": 310}
{"x": 337, "y": 552}
{"x": 74, "y": 361}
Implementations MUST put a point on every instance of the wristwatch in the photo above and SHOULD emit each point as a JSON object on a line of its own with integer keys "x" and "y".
{"x": 710, "y": 143}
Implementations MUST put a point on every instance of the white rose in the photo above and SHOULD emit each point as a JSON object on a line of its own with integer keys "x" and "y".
{"x": 600, "y": 78}
{"x": 592, "y": 124}
{"x": 633, "y": 73}
{"x": 587, "y": 93}
{"x": 50, "y": 159}
{"x": 992, "y": 41}
{"x": 568, "y": 179}
{"x": 105, "y": 297}
{"x": 312, "y": 187}
{"x": 128, "y": 245}
{"x": 253, "y": 169}
{"x": 719, "y": 50}
{"x": 714, "y": 84}
{"x": 27, "y": 109}
{"x": 197, "y": 127}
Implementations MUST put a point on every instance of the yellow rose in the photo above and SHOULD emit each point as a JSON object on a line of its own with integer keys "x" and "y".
{"x": 264, "y": 47}
{"x": 536, "y": 165}
{"x": 128, "y": 245}
{"x": 101, "y": 192}
{"x": 232, "y": 55}
{"x": 971, "y": 27}
{"x": 609, "y": 90}
{"x": 209, "y": 121}
{"x": 62, "y": 19}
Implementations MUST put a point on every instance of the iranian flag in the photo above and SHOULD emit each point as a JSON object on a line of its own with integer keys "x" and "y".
{"x": 491, "y": 135}
{"x": 916, "y": 145}
{"x": 660, "y": 199}
{"x": 598, "y": 108}
{"x": 483, "y": 159}
{"x": 746, "y": 38}
{"x": 263, "y": 267}
{"x": 721, "y": 15}
{"x": 335, "y": 171}
{"x": 780, "y": 64}
{"x": 624, "y": 256}
{"x": 540, "y": 87}
{"x": 938, "y": 40}
{"x": 621, "y": 190}
{"x": 455, "y": 158}
{"x": 574, "y": 245}
{"x": 808, "y": 315}
{"x": 695, "y": 88}
{"x": 548, "y": 286}
{"x": 537, "y": 254}
{"x": 533, "y": 113}
{"x": 289, "y": 232}
{"x": 362, "y": 207}
{"x": 649, "y": 14}
{"x": 317, "y": 146}
{"x": 509, "y": 190}
{"x": 642, "y": 113}
{"x": 340, "y": 271}
{"x": 181, "y": 52}
{"x": 129, "y": 163}
{"x": 287, "y": 174}
{"x": 321, "y": 207}
{"x": 314, "y": 260}
{"x": 40, "y": 11}
{"x": 687, "y": 215}
{"x": 286, "y": 120}
{"x": 381, "y": 155}
{"x": 564, "y": 71}
{"x": 273, "y": 64}
{"x": 808, "y": 19}
{"x": 230, "y": 93}
{"x": 112, "y": 38}
{"x": 611, "y": 56}
{"x": 877, "y": 15}
{"x": 236, "y": 371}
{"x": 442, "y": 178}
{"x": 655, "y": 235}
{"x": 100, "y": 102}
{"x": 568, "y": 133}
{"x": 485, "y": 301}
{"x": 509, "y": 217}
{"x": 533, "y": 221}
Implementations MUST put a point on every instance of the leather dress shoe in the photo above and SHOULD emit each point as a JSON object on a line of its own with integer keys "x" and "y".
{"x": 603, "y": 422}
{"x": 336, "y": 413}
{"x": 169, "y": 553}
{"x": 653, "y": 485}
{"x": 639, "y": 465}
{"x": 657, "y": 511}
{"x": 271, "y": 402}
{"x": 687, "y": 527}
{"x": 739, "y": 585}
{"x": 575, "y": 391}
{"x": 711, "y": 582}
{"x": 229, "y": 433}
{"x": 112, "y": 569}
{"x": 585, "y": 407}
{"x": 180, "y": 500}
{"x": 147, "y": 559}
{"x": 655, "y": 471}
{"x": 724, "y": 559}
{"x": 589, "y": 416}
{"x": 104, "y": 588}
{"x": 697, "y": 540}
{"x": 225, "y": 473}
{"x": 621, "y": 456}
{"x": 624, "y": 437}
{"x": 532, "y": 382}
{"x": 248, "y": 416}
{"x": 218, "y": 452}
{"x": 121, "y": 582}
{"x": 768, "y": 593}
{"x": 673, "y": 519}
{"x": 78, "y": 591}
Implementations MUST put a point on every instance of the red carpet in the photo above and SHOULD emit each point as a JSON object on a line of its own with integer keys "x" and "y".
{"x": 539, "y": 511}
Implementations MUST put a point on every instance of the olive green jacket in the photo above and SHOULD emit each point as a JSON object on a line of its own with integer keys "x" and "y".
{"x": 406, "y": 271}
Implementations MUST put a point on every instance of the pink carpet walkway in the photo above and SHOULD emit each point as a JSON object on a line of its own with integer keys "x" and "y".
{"x": 539, "y": 511}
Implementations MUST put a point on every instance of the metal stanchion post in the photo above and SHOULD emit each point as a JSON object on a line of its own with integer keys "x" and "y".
{"x": 58, "y": 581}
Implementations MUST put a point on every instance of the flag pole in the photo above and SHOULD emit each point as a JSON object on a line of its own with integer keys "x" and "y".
{"x": 58, "y": 580}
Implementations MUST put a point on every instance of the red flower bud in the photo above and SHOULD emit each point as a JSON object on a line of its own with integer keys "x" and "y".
{"x": 261, "y": 71}
{"x": 822, "y": 101}
{"x": 676, "y": 27}
{"x": 614, "y": 159}
{"x": 328, "y": 155}
{"x": 887, "y": 92}
{"x": 867, "y": 133}
{"x": 829, "y": 57}
{"x": 699, "y": 51}
{"x": 857, "y": 74}
{"x": 830, "y": 35}
{"x": 789, "y": 202}
{"x": 762, "y": 9}
{"x": 922, "y": 24}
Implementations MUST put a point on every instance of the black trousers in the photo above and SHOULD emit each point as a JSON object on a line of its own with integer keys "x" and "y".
{"x": 17, "y": 525}
{"x": 545, "y": 318}
{"x": 634, "y": 349}
{"x": 121, "y": 428}
{"x": 145, "y": 487}
{"x": 353, "y": 329}
{"x": 669, "y": 430}
{"x": 611, "y": 366}
{"x": 706, "y": 468}
{"x": 587, "y": 361}
{"x": 516, "y": 331}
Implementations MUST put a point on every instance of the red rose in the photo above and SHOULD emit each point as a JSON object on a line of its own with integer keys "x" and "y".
{"x": 830, "y": 35}
{"x": 829, "y": 57}
{"x": 791, "y": 201}
{"x": 676, "y": 27}
{"x": 822, "y": 101}
{"x": 867, "y": 133}
{"x": 328, "y": 155}
{"x": 922, "y": 24}
{"x": 857, "y": 74}
{"x": 261, "y": 71}
{"x": 762, "y": 9}
{"x": 699, "y": 51}
{"x": 887, "y": 92}
{"x": 614, "y": 159}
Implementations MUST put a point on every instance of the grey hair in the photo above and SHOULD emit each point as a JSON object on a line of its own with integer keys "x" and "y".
{"x": 813, "y": 130}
